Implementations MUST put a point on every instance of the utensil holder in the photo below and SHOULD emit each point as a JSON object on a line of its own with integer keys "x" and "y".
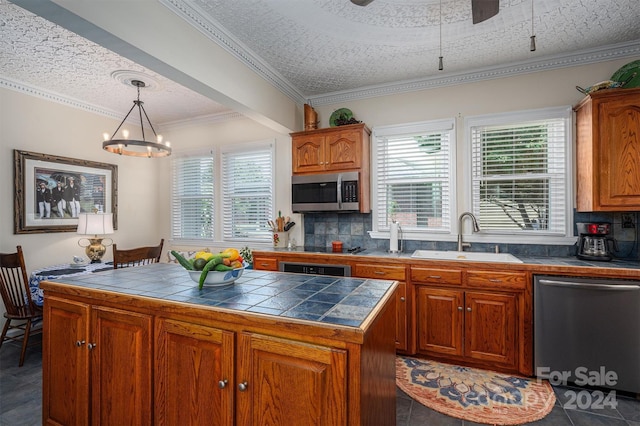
{"x": 280, "y": 239}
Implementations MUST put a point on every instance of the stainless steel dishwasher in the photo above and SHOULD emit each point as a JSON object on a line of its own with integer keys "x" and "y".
{"x": 584, "y": 327}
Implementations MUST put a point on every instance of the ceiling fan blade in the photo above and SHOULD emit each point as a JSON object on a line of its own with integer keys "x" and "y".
{"x": 361, "y": 2}
{"x": 483, "y": 9}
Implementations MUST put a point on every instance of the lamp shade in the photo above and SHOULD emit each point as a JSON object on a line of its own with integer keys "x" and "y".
{"x": 95, "y": 223}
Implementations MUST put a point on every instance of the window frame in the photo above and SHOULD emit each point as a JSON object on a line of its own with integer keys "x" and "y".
{"x": 510, "y": 118}
{"x": 201, "y": 153}
{"x": 267, "y": 145}
{"x": 398, "y": 130}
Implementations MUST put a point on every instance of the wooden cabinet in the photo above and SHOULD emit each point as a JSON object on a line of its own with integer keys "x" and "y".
{"x": 608, "y": 148}
{"x": 333, "y": 149}
{"x": 265, "y": 263}
{"x": 283, "y": 382}
{"x": 97, "y": 365}
{"x": 112, "y": 358}
{"x": 194, "y": 365}
{"x": 398, "y": 273}
{"x": 459, "y": 322}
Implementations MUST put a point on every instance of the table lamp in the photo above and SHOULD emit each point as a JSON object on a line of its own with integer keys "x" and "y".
{"x": 94, "y": 224}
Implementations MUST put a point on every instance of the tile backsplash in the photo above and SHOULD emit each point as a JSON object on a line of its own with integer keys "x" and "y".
{"x": 320, "y": 229}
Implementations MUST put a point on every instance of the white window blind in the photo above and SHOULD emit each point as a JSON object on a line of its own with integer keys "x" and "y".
{"x": 192, "y": 207}
{"x": 519, "y": 176}
{"x": 247, "y": 187}
{"x": 413, "y": 176}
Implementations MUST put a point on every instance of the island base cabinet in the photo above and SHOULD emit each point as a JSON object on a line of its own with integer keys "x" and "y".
{"x": 282, "y": 382}
{"x": 97, "y": 367}
{"x": 194, "y": 382}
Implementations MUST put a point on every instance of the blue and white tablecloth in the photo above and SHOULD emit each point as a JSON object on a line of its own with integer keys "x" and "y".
{"x": 60, "y": 271}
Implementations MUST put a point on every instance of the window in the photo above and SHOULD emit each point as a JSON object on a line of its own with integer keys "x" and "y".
{"x": 520, "y": 173}
{"x": 247, "y": 183}
{"x": 192, "y": 205}
{"x": 413, "y": 176}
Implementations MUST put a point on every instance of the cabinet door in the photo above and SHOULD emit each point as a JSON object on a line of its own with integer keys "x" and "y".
{"x": 402, "y": 342}
{"x": 308, "y": 153}
{"x": 491, "y": 327}
{"x": 194, "y": 383}
{"x": 343, "y": 150}
{"x": 439, "y": 320}
{"x": 619, "y": 149}
{"x": 65, "y": 363}
{"x": 284, "y": 382}
{"x": 120, "y": 367}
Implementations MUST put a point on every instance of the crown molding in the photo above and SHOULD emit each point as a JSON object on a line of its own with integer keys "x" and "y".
{"x": 37, "y": 92}
{"x": 215, "y": 32}
{"x": 583, "y": 57}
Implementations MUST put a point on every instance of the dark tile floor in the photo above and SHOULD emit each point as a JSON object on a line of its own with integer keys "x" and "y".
{"x": 21, "y": 400}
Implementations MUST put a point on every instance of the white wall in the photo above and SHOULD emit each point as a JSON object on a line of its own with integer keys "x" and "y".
{"x": 34, "y": 124}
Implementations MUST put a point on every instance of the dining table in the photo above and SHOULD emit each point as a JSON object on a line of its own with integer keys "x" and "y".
{"x": 61, "y": 271}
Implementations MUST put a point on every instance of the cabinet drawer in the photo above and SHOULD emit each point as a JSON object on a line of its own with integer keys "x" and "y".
{"x": 501, "y": 280}
{"x": 436, "y": 276}
{"x": 266, "y": 263}
{"x": 389, "y": 272}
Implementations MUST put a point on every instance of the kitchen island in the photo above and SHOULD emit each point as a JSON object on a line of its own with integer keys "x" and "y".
{"x": 145, "y": 346}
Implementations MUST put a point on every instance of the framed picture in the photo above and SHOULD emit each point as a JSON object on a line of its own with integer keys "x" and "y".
{"x": 51, "y": 191}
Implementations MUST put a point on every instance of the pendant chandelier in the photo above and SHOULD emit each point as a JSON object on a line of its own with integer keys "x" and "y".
{"x": 137, "y": 147}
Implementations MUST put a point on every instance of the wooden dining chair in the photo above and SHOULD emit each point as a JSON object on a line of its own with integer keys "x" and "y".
{"x": 19, "y": 306}
{"x": 136, "y": 256}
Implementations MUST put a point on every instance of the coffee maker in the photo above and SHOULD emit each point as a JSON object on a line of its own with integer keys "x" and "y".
{"x": 593, "y": 241}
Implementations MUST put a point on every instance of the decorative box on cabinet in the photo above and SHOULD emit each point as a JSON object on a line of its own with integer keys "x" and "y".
{"x": 608, "y": 148}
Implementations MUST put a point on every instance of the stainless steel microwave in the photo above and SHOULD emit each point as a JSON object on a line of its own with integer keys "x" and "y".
{"x": 327, "y": 192}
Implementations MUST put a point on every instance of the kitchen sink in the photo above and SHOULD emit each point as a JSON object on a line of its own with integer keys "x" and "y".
{"x": 465, "y": 255}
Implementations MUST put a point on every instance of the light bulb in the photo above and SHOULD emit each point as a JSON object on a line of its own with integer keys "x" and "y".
{"x": 168, "y": 143}
{"x": 159, "y": 138}
{"x": 105, "y": 136}
{"x": 125, "y": 133}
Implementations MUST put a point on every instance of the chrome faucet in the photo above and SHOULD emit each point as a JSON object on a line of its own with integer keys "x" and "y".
{"x": 476, "y": 228}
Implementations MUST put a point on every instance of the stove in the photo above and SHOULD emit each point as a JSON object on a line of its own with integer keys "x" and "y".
{"x": 329, "y": 250}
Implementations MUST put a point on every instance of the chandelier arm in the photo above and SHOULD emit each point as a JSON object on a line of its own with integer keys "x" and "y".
{"x": 124, "y": 119}
{"x": 140, "y": 115}
{"x": 148, "y": 120}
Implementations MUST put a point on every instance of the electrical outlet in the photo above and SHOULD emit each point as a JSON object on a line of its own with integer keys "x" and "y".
{"x": 627, "y": 220}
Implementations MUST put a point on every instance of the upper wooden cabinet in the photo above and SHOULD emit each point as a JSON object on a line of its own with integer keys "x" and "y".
{"x": 333, "y": 149}
{"x": 608, "y": 151}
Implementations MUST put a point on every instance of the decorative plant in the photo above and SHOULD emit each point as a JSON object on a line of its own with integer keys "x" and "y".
{"x": 246, "y": 254}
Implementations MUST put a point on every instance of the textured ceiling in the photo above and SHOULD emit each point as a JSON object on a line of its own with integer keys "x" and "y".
{"x": 313, "y": 48}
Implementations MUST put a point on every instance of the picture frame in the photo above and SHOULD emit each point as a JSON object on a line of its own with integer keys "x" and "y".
{"x": 36, "y": 210}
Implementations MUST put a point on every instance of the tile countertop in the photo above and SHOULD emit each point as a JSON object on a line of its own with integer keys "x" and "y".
{"x": 328, "y": 300}
{"x": 541, "y": 264}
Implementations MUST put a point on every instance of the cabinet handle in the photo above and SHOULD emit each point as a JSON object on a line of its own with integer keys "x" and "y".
{"x": 92, "y": 346}
{"x": 80, "y": 343}
{"x": 459, "y": 308}
{"x": 495, "y": 280}
{"x": 379, "y": 272}
{"x": 264, "y": 264}
{"x": 243, "y": 386}
{"x": 223, "y": 383}
{"x": 402, "y": 299}
{"x": 469, "y": 309}
{"x": 437, "y": 277}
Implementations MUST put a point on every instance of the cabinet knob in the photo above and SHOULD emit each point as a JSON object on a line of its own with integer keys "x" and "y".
{"x": 80, "y": 343}
{"x": 243, "y": 386}
{"x": 469, "y": 309}
{"x": 459, "y": 308}
{"x": 92, "y": 346}
{"x": 223, "y": 383}
{"x": 402, "y": 299}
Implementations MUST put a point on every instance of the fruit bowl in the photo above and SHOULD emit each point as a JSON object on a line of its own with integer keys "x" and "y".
{"x": 216, "y": 278}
